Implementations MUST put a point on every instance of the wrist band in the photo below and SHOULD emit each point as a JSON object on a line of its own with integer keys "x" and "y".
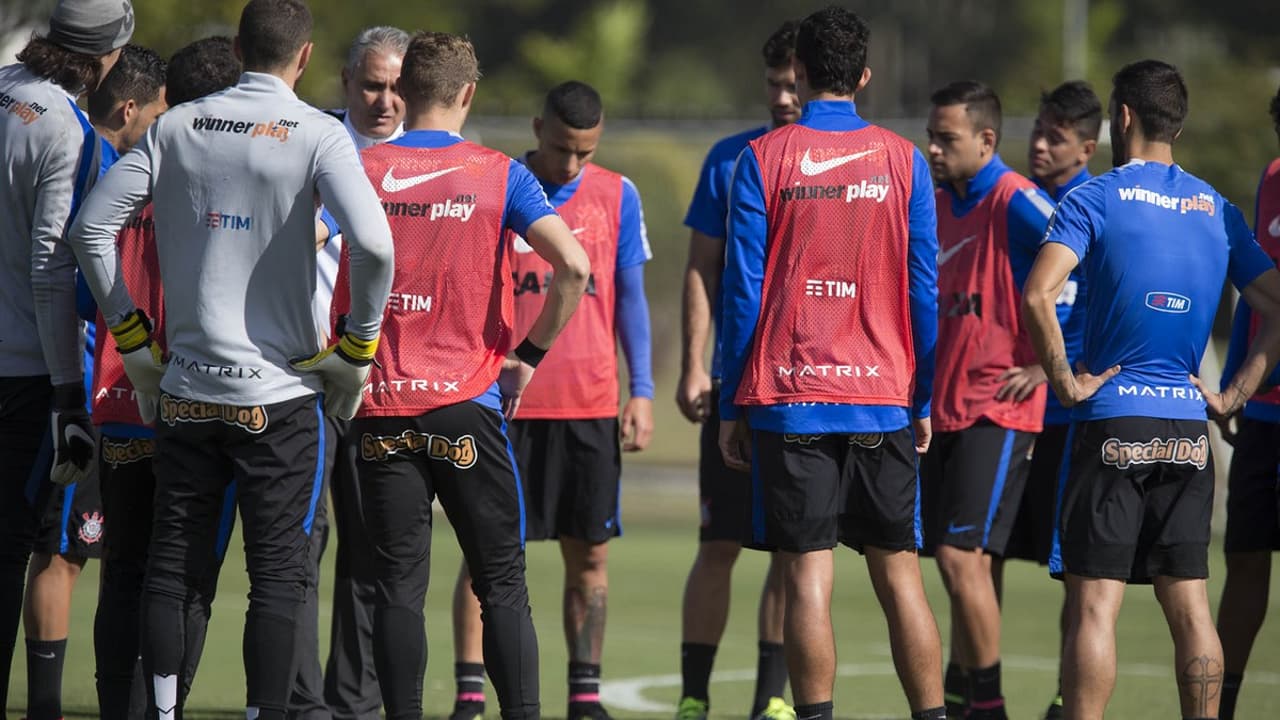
{"x": 529, "y": 353}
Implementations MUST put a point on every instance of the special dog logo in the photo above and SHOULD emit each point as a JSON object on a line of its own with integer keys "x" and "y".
{"x": 91, "y": 528}
{"x": 1180, "y": 451}
{"x": 461, "y": 452}
{"x": 116, "y": 453}
{"x": 173, "y": 411}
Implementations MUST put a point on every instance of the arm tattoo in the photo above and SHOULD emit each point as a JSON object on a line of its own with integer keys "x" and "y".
{"x": 1200, "y": 681}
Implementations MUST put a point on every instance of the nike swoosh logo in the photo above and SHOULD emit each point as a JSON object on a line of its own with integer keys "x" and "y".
{"x": 578, "y": 231}
{"x": 1274, "y": 227}
{"x": 809, "y": 167}
{"x": 950, "y": 252}
{"x": 50, "y": 656}
{"x": 391, "y": 183}
{"x": 953, "y": 528}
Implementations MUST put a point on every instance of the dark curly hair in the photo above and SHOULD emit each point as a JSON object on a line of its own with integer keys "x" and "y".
{"x": 201, "y": 68}
{"x": 781, "y": 45}
{"x": 1275, "y": 110}
{"x": 832, "y": 45}
{"x": 75, "y": 72}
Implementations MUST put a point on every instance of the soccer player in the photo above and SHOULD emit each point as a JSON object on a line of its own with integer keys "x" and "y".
{"x": 234, "y": 178}
{"x": 374, "y": 114}
{"x": 433, "y": 422}
{"x": 566, "y": 432}
{"x": 828, "y": 359}
{"x": 122, "y": 108}
{"x": 1063, "y": 139}
{"x": 1138, "y": 486}
{"x": 1253, "y": 523}
{"x": 724, "y": 493}
{"x": 50, "y": 156}
{"x": 989, "y": 395}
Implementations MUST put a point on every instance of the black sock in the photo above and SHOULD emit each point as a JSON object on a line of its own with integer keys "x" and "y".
{"x": 470, "y": 681}
{"x": 771, "y": 675}
{"x": 1230, "y": 692}
{"x": 955, "y": 688}
{"x": 584, "y": 683}
{"x": 984, "y": 685}
{"x": 44, "y": 678}
{"x": 116, "y": 636}
{"x": 938, "y": 713}
{"x": 696, "y": 660}
{"x": 818, "y": 711}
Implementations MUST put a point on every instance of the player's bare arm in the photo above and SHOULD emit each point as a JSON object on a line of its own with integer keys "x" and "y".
{"x": 701, "y": 283}
{"x": 1039, "y": 299}
{"x": 1263, "y": 295}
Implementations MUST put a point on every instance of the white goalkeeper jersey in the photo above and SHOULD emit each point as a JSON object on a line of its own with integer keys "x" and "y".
{"x": 236, "y": 178}
{"x": 50, "y": 160}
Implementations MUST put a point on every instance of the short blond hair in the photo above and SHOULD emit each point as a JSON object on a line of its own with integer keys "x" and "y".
{"x": 436, "y": 67}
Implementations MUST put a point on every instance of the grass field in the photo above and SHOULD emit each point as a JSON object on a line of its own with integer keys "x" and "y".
{"x": 641, "y": 661}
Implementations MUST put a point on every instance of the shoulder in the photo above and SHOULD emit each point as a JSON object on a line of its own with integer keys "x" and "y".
{"x": 727, "y": 150}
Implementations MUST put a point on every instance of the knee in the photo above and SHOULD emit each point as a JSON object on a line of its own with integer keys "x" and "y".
{"x": 959, "y": 568}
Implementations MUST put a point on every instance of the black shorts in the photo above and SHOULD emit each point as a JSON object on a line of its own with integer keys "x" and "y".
{"x": 973, "y": 482}
{"x": 812, "y": 491}
{"x": 571, "y": 471}
{"x": 1137, "y": 500}
{"x": 723, "y": 493}
{"x": 1032, "y": 537}
{"x": 1253, "y": 524}
{"x": 461, "y": 454}
{"x": 37, "y": 514}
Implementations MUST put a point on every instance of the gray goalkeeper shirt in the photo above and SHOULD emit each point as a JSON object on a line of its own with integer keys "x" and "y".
{"x": 235, "y": 179}
{"x": 50, "y": 160}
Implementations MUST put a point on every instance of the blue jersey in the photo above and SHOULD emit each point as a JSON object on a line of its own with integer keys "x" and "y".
{"x": 747, "y": 241}
{"x": 1156, "y": 244}
{"x": 1071, "y": 304}
{"x": 709, "y": 209}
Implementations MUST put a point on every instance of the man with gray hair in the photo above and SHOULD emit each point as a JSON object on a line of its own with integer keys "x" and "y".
{"x": 50, "y": 155}
{"x": 374, "y": 114}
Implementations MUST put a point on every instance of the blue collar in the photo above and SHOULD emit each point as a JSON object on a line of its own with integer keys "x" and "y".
{"x": 427, "y": 139}
{"x": 557, "y": 194}
{"x": 978, "y": 186}
{"x": 832, "y": 115}
{"x": 1078, "y": 179}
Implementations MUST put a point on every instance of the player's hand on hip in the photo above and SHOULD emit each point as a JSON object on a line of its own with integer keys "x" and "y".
{"x": 1221, "y": 406}
{"x": 1086, "y": 384}
{"x": 1020, "y": 382}
{"x": 735, "y": 444}
{"x": 143, "y": 362}
{"x": 512, "y": 381}
{"x": 693, "y": 395}
{"x": 637, "y": 424}
{"x": 343, "y": 369}
{"x": 73, "y": 438}
{"x": 922, "y": 428}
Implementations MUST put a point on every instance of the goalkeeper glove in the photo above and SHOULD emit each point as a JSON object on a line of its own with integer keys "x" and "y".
{"x": 73, "y": 442}
{"x": 343, "y": 368}
{"x": 143, "y": 361}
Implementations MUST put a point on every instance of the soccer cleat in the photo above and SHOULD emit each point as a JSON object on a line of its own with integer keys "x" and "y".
{"x": 957, "y": 706}
{"x": 1055, "y": 710}
{"x": 777, "y": 709}
{"x": 587, "y": 711}
{"x": 469, "y": 710}
{"x": 692, "y": 708}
